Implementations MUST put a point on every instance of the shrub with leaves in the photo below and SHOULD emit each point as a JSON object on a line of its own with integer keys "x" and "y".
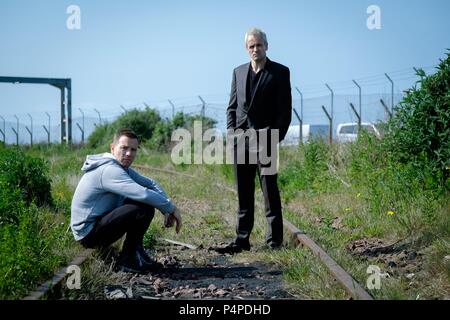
{"x": 25, "y": 175}
{"x": 419, "y": 133}
{"x": 142, "y": 122}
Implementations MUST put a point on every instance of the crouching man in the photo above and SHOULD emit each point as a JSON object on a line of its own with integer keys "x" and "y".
{"x": 112, "y": 199}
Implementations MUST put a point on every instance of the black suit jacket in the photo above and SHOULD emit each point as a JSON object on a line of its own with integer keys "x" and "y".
{"x": 271, "y": 104}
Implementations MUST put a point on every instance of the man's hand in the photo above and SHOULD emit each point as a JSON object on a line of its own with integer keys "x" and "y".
{"x": 170, "y": 218}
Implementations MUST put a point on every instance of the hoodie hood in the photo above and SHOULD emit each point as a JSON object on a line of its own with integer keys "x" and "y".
{"x": 97, "y": 160}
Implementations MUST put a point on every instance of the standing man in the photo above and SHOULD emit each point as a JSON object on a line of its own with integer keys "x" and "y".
{"x": 112, "y": 199}
{"x": 260, "y": 100}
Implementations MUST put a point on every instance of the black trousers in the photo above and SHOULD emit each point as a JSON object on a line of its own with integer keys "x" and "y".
{"x": 132, "y": 219}
{"x": 245, "y": 175}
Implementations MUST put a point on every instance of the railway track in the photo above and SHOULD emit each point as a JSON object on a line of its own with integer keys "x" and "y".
{"x": 216, "y": 278}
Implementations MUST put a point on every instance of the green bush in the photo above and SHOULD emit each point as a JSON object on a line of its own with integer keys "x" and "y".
{"x": 31, "y": 242}
{"x": 148, "y": 125}
{"x": 29, "y": 175}
{"x": 30, "y": 250}
{"x": 142, "y": 122}
{"x": 419, "y": 133}
{"x": 160, "y": 139}
{"x": 101, "y": 136}
{"x": 309, "y": 171}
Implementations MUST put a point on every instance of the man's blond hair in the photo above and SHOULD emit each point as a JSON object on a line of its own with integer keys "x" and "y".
{"x": 256, "y": 32}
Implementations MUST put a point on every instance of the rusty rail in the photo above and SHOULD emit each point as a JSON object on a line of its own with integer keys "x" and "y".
{"x": 350, "y": 285}
{"x": 44, "y": 289}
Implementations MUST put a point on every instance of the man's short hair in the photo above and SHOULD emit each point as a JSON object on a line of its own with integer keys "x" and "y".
{"x": 124, "y": 132}
{"x": 256, "y": 32}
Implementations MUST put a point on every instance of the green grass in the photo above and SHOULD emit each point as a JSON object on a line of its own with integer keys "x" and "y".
{"x": 421, "y": 213}
{"x": 321, "y": 186}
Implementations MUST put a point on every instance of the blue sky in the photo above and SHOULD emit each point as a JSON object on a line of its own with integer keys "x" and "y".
{"x": 127, "y": 52}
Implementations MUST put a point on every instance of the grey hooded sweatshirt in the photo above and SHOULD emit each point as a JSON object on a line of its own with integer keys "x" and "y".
{"x": 104, "y": 186}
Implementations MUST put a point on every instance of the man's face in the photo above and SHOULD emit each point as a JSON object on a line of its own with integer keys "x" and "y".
{"x": 125, "y": 150}
{"x": 256, "y": 48}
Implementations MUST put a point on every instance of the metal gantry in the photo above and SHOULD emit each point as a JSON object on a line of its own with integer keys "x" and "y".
{"x": 65, "y": 86}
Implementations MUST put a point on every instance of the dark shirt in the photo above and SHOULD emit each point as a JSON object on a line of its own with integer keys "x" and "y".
{"x": 252, "y": 82}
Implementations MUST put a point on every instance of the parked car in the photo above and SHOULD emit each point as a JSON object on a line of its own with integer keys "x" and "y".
{"x": 310, "y": 131}
{"x": 348, "y": 132}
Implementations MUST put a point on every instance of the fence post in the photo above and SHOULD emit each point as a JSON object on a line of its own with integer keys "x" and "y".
{"x": 99, "y": 117}
{"x": 30, "y": 131}
{"x": 17, "y": 132}
{"x": 357, "y": 116}
{"x": 360, "y": 112}
{"x": 173, "y": 108}
{"x": 82, "y": 133}
{"x": 332, "y": 100}
{"x": 203, "y": 107}
{"x": 4, "y": 130}
{"x": 301, "y": 114}
{"x": 386, "y": 108}
{"x": 300, "y": 140}
{"x": 392, "y": 93}
{"x": 49, "y": 127}
{"x": 48, "y": 134}
{"x": 330, "y": 120}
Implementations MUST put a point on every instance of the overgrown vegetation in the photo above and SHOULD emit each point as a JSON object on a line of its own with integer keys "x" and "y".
{"x": 152, "y": 130}
{"x": 396, "y": 188}
{"x": 31, "y": 234}
{"x": 419, "y": 134}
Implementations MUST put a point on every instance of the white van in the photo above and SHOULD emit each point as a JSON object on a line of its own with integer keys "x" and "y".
{"x": 348, "y": 132}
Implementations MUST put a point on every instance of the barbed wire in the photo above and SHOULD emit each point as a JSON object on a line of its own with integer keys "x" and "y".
{"x": 216, "y": 104}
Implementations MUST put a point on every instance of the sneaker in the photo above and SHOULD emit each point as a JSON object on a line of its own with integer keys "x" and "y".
{"x": 233, "y": 248}
{"x": 134, "y": 263}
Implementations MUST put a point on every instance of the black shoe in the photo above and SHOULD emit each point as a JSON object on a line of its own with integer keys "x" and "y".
{"x": 144, "y": 256}
{"x": 275, "y": 246}
{"x": 233, "y": 248}
{"x": 134, "y": 263}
